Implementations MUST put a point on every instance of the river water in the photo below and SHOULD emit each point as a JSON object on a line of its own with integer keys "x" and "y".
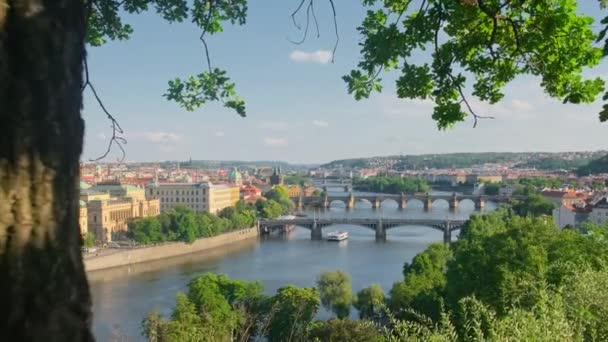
{"x": 122, "y": 296}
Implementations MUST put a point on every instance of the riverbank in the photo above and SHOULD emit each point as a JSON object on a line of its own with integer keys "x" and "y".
{"x": 143, "y": 254}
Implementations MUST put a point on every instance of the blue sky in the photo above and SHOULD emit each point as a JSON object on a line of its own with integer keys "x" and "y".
{"x": 297, "y": 105}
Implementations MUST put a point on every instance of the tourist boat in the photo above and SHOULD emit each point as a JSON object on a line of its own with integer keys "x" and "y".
{"x": 337, "y": 236}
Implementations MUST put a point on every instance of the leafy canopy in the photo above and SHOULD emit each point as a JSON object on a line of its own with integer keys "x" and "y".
{"x": 209, "y": 16}
{"x": 488, "y": 41}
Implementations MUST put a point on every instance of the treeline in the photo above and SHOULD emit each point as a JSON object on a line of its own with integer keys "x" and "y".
{"x": 183, "y": 224}
{"x": 540, "y": 160}
{"x": 594, "y": 167}
{"x": 391, "y": 184}
{"x": 507, "y": 278}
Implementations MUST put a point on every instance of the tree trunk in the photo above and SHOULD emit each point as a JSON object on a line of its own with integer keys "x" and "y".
{"x": 44, "y": 294}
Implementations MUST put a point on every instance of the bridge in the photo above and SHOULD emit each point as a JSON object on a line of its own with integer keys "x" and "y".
{"x": 402, "y": 200}
{"x": 379, "y": 225}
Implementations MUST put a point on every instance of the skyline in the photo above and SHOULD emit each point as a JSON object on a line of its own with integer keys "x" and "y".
{"x": 298, "y": 107}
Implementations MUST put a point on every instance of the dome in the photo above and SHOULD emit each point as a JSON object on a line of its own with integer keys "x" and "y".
{"x": 235, "y": 176}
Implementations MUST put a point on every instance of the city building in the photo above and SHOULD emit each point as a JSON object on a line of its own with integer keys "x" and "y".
{"x": 250, "y": 193}
{"x": 190, "y": 195}
{"x": 109, "y": 219}
{"x": 277, "y": 177}
{"x": 200, "y": 197}
{"x": 569, "y": 215}
{"x": 599, "y": 212}
{"x": 110, "y": 206}
{"x": 294, "y": 191}
{"x": 235, "y": 177}
{"x": 222, "y": 196}
{"x": 83, "y": 218}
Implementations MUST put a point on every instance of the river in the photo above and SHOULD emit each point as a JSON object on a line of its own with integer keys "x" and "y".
{"x": 122, "y": 296}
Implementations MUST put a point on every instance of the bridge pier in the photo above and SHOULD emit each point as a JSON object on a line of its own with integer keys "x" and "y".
{"x": 316, "y": 232}
{"x": 454, "y": 202}
{"x": 350, "y": 201}
{"x": 428, "y": 204}
{"x": 325, "y": 203}
{"x": 480, "y": 203}
{"x": 380, "y": 232}
{"x": 376, "y": 203}
{"x": 402, "y": 201}
{"x": 300, "y": 204}
{"x": 447, "y": 234}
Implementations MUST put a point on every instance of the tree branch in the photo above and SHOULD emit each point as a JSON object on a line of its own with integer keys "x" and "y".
{"x": 117, "y": 131}
{"x": 333, "y": 9}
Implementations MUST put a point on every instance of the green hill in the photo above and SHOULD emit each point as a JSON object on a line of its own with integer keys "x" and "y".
{"x": 595, "y": 166}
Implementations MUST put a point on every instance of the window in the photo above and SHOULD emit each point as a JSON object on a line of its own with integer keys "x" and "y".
{"x": 177, "y": 199}
{"x": 157, "y": 192}
{"x": 197, "y": 192}
{"x": 94, "y": 218}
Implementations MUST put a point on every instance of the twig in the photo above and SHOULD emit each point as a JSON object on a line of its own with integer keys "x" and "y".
{"x": 314, "y": 17}
{"x": 333, "y": 9}
{"x": 117, "y": 131}
{"x": 307, "y": 25}
{"x": 293, "y": 15}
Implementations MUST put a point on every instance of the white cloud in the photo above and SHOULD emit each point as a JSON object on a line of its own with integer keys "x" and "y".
{"x": 158, "y": 137}
{"x": 319, "y": 56}
{"x": 320, "y": 123}
{"x": 274, "y": 125}
{"x": 220, "y": 134}
{"x": 276, "y": 142}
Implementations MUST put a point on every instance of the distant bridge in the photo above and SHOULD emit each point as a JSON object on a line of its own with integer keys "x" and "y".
{"x": 380, "y": 225}
{"x": 402, "y": 200}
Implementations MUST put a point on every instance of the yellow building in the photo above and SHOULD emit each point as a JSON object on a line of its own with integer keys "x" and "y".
{"x": 489, "y": 178}
{"x": 83, "y": 219}
{"x": 199, "y": 197}
{"x": 222, "y": 196}
{"x": 109, "y": 219}
{"x": 109, "y": 207}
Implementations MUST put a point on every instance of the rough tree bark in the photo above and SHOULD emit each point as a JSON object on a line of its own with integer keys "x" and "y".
{"x": 44, "y": 293}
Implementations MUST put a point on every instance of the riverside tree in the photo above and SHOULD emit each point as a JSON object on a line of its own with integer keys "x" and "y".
{"x": 43, "y": 72}
{"x": 336, "y": 292}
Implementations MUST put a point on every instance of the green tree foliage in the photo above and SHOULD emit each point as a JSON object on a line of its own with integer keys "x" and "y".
{"x": 105, "y": 23}
{"x": 369, "y": 301}
{"x": 215, "y": 308}
{"x": 338, "y": 330}
{"x": 491, "y": 189}
{"x": 280, "y": 194}
{"x": 503, "y": 260}
{"x": 297, "y": 180}
{"x": 546, "y": 321}
{"x": 468, "y": 160}
{"x": 541, "y": 182}
{"x": 336, "y": 292}
{"x": 596, "y": 166}
{"x": 491, "y": 42}
{"x": 424, "y": 283}
{"x": 391, "y": 184}
{"x": 89, "y": 239}
{"x": 268, "y": 209}
{"x": 533, "y": 205}
{"x": 183, "y": 224}
{"x": 586, "y": 302}
{"x": 292, "y": 310}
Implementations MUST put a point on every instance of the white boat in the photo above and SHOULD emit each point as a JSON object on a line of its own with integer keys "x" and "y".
{"x": 337, "y": 236}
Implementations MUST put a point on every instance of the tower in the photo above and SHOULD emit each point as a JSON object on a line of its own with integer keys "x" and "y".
{"x": 277, "y": 177}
